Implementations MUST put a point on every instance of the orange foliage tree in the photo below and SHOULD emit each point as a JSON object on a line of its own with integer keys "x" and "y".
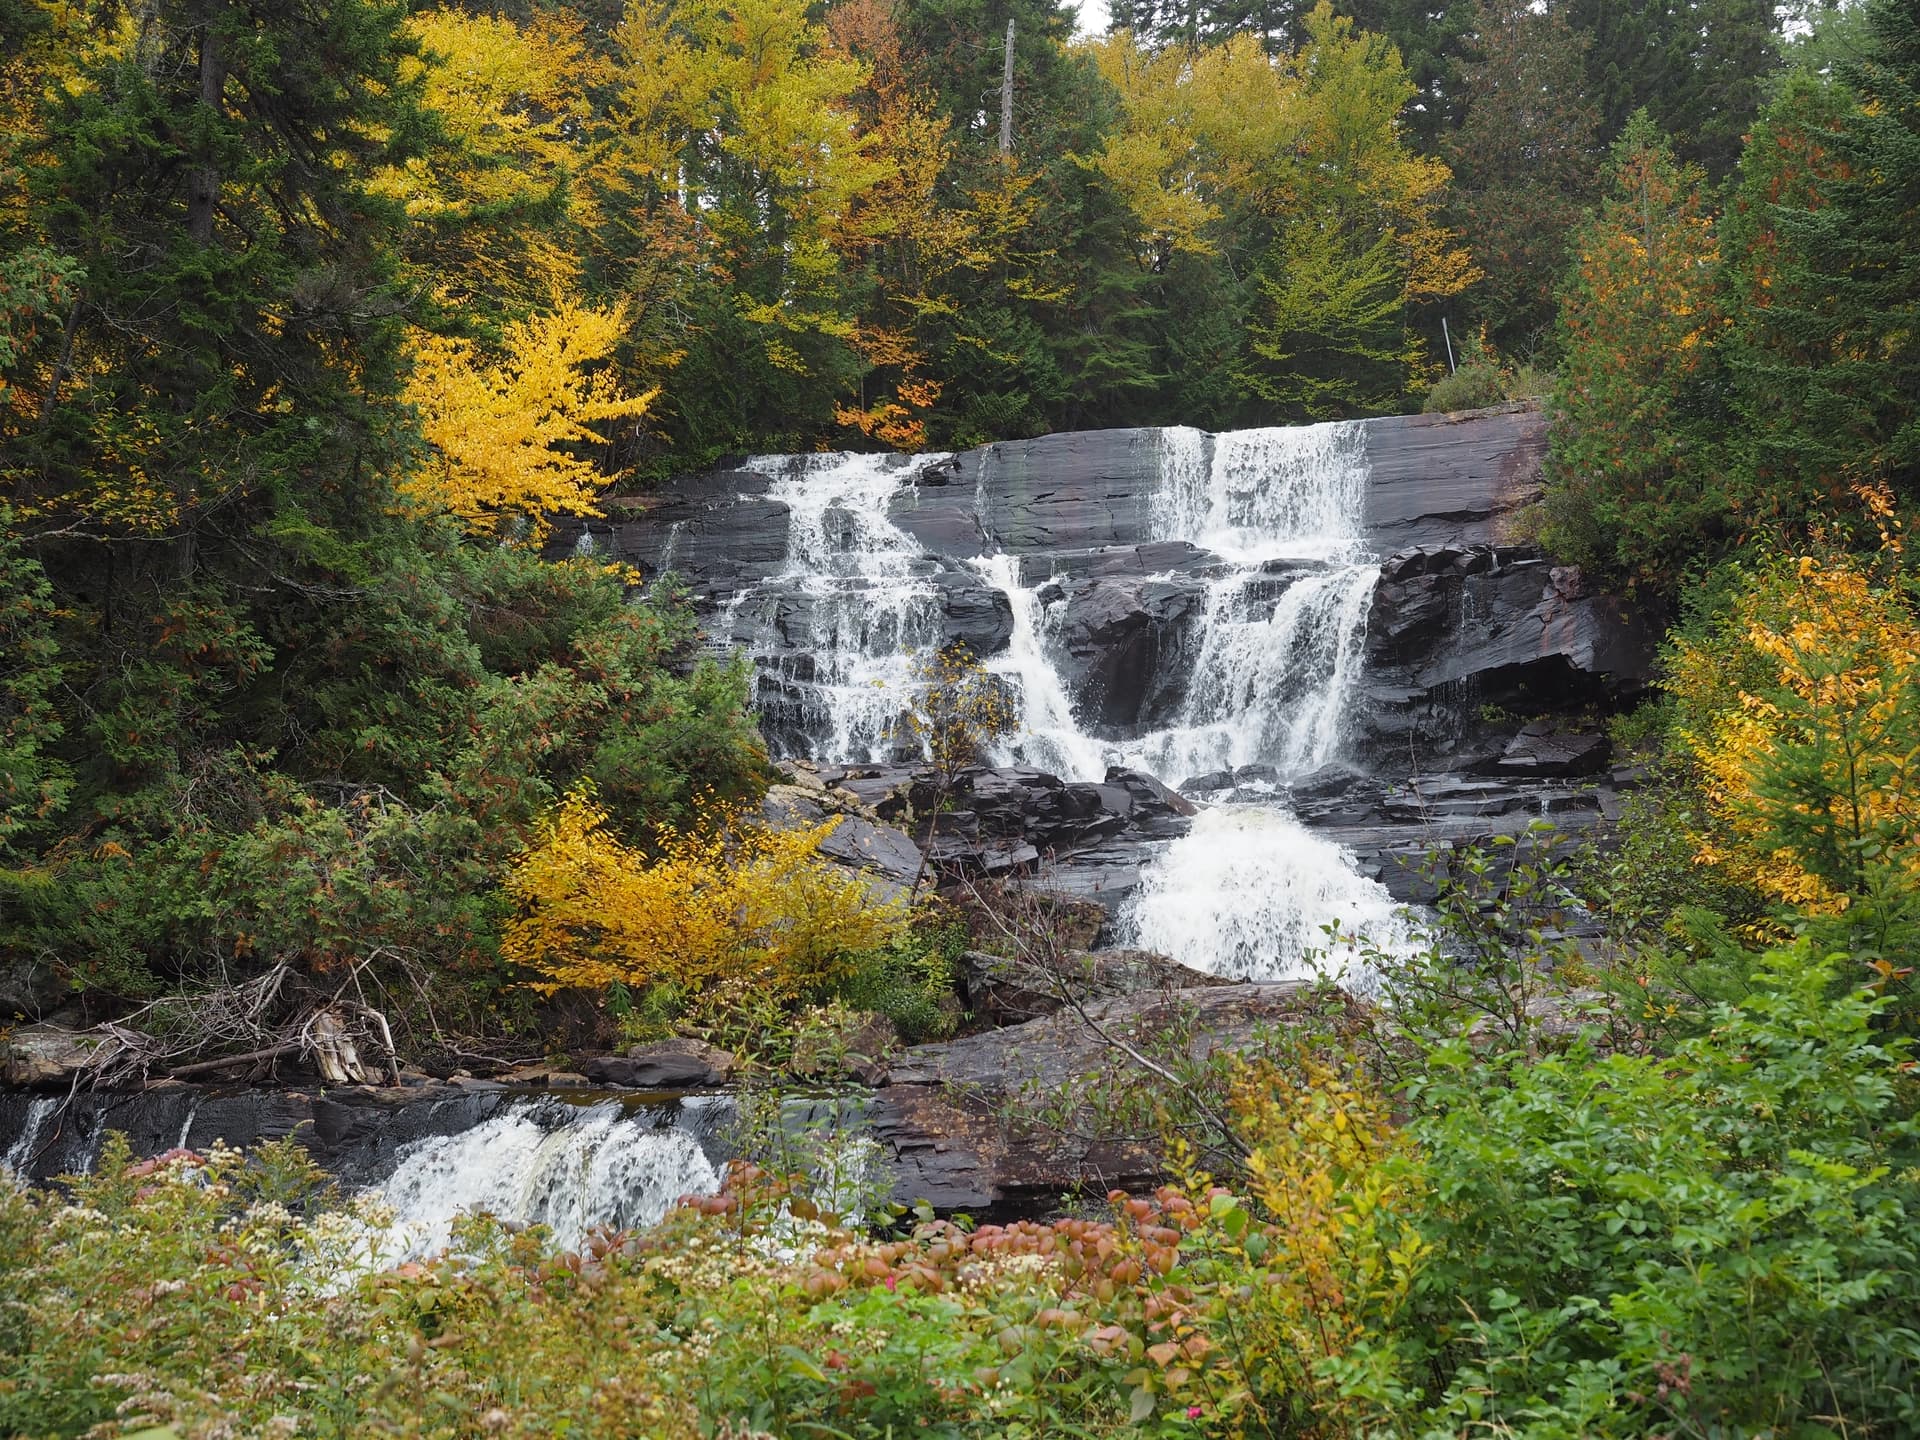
{"x": 1634, "y": 484}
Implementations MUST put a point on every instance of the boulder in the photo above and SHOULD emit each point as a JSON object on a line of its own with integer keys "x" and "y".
{"x": 42, "y": 1056}
{"x": 941, "y": 1120}
{"x": 677, "y": 1064}
{"x": 1006, "y": 991}
{"x": 1542, "y": 750}
{"x": 1122, "y": 643}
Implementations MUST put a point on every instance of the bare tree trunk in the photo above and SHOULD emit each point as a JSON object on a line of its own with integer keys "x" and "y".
{"x": 1006, "y": 96}
{"x": 203, "y": 186}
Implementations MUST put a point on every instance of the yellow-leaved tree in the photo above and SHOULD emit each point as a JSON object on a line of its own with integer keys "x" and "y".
{"x": 507, "y": 433}
{"x": 733, "y": 901}
{"x": 1802, "y": 710}
{"x": 500, "y": 215}
{"x": 1229, "y": 148}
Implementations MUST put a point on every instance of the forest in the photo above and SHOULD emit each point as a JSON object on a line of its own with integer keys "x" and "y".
{"x": 317, "y": 316}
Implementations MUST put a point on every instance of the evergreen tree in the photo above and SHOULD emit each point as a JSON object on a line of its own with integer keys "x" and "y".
{"x": 1636, "y": 479}
{"x": 1827, "y": 351}
{"x": 1523, "y": 165}
{"x": 1699, "y": 68}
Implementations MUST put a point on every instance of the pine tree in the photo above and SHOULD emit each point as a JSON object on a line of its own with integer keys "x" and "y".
{"x": 1636, "y": 489}
{"x": 1828, "y": 349}
{"x": 1699, "y": 68}
{"x": 1524, "y": 165}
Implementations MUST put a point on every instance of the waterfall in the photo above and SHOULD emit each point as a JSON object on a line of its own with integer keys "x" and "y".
{"x": 1277, "y": 642}
{"x": 855, "y": 596}
{"x": 1252, "y": 893}
{"x": 1047, "y": 735}
{"x": 20, "y": 1154}
{"x": 572, "y": 1168}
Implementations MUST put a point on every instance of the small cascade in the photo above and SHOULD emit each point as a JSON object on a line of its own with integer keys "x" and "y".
{"x": 1250, "y": 892}
{"x": 571, "y": 1168}
{"x": 1271, "y": 684}
{"x": 1253, "y": 495}
{"x": 855, "y": 597}
{"x": 1047, "y": 736}
{"x": 19, "y": 1156}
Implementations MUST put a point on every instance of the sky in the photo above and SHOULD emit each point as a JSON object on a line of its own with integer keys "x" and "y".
{"x": 1093, "y": 16}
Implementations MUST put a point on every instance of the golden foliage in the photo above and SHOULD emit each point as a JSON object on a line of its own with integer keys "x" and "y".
{"x": 1807, "y": 740}
{"x": 734, "y": 902}
{"x": 958, "y": 708}
{"x": 1319, "y": 1255}
{"x": 1297, "y": 138}
{"x": 503, "y": 432}
{"x": 513, "y": 98}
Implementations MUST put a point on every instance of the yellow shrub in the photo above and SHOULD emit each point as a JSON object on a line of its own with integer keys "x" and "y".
{"x": 1802, "y": 713}
{"x": 733, "y": 901}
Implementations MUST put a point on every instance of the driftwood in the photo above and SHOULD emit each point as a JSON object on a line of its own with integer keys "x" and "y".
{"x": 254, "y": 1024}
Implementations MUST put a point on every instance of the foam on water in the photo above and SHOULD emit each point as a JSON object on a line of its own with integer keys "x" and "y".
{"x": 1251, "y": 893}
{"x": 571, "y": 1168}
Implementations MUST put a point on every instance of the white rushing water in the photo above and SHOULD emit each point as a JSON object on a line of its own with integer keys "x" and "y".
{"x": 1275, "y": 660}
{"x": 864, "y": 586}
{"x": 1252, "y": 893}
{"x": 20, "y": 1154}
{"x": 571, "y": 1168}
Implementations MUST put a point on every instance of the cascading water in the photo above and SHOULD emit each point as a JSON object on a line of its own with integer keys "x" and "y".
{"x": 858, "y": 589}
{"x": 1277, "y": 653}
{"x": 20, "y": 1154}
{"x": 571, "y": 1168}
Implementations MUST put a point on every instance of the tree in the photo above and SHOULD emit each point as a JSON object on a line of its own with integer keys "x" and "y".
{"x": 1523, "y": 162}
{"x": 1827, "y": 349}
{"x": 1635, "y": 491}
{"x": 498, "y": 213}
{"x": 504, "y": 433}
{"x": 1697, "y": 67}
{"x": 1361, "y": 242}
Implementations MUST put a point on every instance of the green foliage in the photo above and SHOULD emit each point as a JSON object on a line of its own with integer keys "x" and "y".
{"x": 911, "y": 982}
{"x": 1718, "y": 1240}
{"x": 1634, "y": 491}
{"x": 1524, "y": 166}
{"x": 33, "y": 782}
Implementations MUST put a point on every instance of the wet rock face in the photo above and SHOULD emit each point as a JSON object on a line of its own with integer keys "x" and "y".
{"x": 1125, "y": 642}
{"x": 1465, "y": 615}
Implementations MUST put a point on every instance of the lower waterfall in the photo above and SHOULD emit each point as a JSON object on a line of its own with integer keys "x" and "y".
{"x": 1274, "y": 661}
{"x": 569, "y": 1167}
{"x": 1251, "y": 892}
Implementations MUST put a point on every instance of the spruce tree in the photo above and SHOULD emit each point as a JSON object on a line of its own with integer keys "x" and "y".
{"x": 1525, "y": 163}
{"x": 1827, "y": 351}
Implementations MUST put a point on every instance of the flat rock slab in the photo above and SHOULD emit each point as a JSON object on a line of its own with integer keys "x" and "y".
{"x": 948, "y": 1115}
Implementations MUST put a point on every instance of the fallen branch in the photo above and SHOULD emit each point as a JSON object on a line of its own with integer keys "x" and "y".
{"x": 227, "y": 1062}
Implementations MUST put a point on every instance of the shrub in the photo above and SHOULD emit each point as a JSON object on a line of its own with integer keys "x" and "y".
{"x": 1717, "y": 1241}
{"x": 1800, "y": 707}
{"x": 732, "y": 901}
{"x": 1470, "y": 387}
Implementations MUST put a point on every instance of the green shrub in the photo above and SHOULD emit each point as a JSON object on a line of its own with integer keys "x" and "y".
{"x": 1470, "y": 387}
{"x": 1714, "y": 1242}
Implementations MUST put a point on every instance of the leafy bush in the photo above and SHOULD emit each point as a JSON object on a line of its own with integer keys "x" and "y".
{"x": 1470, "y": 387}
{"x": 1717, "y": 1241}
{"x": 733, "y": 901}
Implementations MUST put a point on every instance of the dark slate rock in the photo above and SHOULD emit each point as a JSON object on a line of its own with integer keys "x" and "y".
{"x": 664, "y": 1065}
